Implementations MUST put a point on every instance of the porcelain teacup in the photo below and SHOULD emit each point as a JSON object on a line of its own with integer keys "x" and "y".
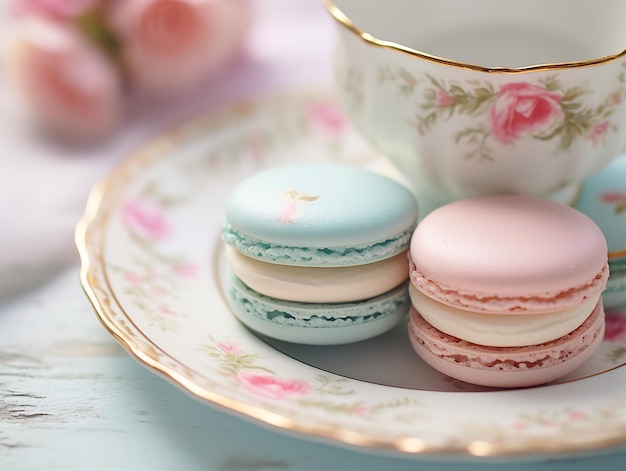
{"x": 486, "y": 96}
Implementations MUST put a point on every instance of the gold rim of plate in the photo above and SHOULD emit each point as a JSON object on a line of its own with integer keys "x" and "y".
{"x": 90, "y": 245}
{"x": 345, "y": 21}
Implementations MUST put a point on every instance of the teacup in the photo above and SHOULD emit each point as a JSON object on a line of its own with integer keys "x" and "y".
{"x": 486, "y": 96}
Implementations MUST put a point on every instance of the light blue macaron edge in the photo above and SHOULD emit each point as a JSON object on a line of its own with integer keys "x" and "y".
{"x": 600, "y": 200}
{"x": 319, "y": 214}
{"x": 317, "y": 324}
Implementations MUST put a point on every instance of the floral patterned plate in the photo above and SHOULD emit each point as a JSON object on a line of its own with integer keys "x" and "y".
{"x": 152, "y": 267}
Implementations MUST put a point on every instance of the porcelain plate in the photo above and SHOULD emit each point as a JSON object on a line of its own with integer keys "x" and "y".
{"x": 152, "y": 266}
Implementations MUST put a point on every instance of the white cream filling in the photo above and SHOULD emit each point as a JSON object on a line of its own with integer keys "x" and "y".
{"x": 501, "y": 330}
{"x": 317, "y": 284}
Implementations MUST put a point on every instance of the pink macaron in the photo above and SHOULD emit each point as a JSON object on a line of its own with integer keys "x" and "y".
{"x": 506, "y": 290}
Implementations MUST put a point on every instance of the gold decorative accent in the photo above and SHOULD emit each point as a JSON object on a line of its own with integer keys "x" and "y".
{"x": 293, "y": 195}
{"x": 346, "y": 22}
{"x": 90, "y": 237}
{"x": 618, "y": 254}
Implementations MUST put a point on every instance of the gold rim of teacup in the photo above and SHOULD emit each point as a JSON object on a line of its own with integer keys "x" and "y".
{"x": 345, "y": 21}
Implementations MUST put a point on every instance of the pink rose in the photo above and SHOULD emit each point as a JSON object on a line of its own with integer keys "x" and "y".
{"x": 170, "y": 45}
{"x": 56, "y": 9}
{"x": 146, "y": 219}
{"x": 598, "y": 131}
{"x": 615, "y": 326}
{"x": 186, "y": 270}
{"x": 132, "y": 277}
{"x": 613, "y": 197}
{"x": 68, "y": 85}
{"x": 272, "y": 387}
{"x": 617, "y": 97}
{"x": 444, "y": 99}
{"x": 523, "y": 108}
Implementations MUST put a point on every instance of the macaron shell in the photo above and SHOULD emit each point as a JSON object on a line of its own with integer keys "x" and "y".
{"x": 316, "y": 256}
{"x": 524, "y": 249}
{"x": 498, "y": 303}
{"x": 319, "y": 285}
{"x": 506, "y": 367}
{"x": 321, "y": 206}
{"x": 317, "y": 324}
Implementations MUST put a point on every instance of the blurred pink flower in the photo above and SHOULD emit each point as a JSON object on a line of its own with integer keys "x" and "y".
{"x": 53, "y": 8}
{"x": 186, "y": 270}
{"x": 171, "y": 45}
{"x": 146, "y": 219}
{"x": 69, "y": 86}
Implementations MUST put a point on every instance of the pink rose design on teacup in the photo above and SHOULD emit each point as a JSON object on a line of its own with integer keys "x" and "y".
{"x": 145, "y": 218}
{"x": 598, "y": 131}
{"x": 444, "y": 99}
{"x": 523, "y": 108}
{"x": 272, "y": 387}
{"x": 615, "y": 327}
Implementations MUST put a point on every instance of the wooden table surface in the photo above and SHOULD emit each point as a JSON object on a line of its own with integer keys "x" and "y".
{"x": 72, "y": 399}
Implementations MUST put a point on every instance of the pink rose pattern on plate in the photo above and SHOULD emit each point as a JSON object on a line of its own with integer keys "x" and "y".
{"x": 565, "y": 421}
{"x": 157, "y": 280}
{"x": 272, "y": 387}
{"x": 324, "y": 391}
{"x": 145, "y": 218}
{"x": 546, "y": 111}
{"x": 319, "y": 393}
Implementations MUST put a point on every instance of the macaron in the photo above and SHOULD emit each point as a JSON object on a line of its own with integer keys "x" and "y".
{"x": 603, "y": 199}
{"x": 317, "y": 252}
{"x": 506, "y": 290}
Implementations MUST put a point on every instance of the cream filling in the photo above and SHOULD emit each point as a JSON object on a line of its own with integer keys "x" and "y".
{"x": 501, "y": 330}
{"x": 319, "y": 284}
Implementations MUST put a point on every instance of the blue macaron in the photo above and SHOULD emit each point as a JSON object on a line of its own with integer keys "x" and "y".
{"x": 318, "y": 252}
{"x": 603, "y": 199}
